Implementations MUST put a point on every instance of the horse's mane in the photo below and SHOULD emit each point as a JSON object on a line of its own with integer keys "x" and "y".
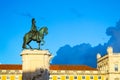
{"x": 43, "y": 27}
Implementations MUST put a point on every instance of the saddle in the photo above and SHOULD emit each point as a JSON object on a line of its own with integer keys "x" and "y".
{"x": 33, "y": 33}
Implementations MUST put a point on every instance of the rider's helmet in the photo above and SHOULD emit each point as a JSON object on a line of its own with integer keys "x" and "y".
{"x": 33, "y": 20}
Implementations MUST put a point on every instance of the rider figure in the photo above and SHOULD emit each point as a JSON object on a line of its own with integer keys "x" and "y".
{"x": 33, "y": 28}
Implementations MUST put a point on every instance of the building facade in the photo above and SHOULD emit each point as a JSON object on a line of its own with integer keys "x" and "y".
{"x": 107, "y": 69}
{"x": 75, "y": 72}
{"x": 10, "y": 72}
{"x": 110, "y": 63}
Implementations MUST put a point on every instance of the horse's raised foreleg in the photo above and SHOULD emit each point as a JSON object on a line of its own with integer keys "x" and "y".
{"x": 42, "y": 42}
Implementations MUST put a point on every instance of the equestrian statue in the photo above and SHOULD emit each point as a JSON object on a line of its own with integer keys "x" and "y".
{"x": 35, "y": 35}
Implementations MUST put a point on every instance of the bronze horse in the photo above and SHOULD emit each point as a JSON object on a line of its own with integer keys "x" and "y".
{"x": 37, "y": 36}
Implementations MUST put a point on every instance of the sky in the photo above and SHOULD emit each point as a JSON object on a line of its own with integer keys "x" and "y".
{"x": 70, "y": 23}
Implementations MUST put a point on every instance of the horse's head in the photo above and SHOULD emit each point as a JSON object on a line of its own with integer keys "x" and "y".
{"x": 44, "y": 30}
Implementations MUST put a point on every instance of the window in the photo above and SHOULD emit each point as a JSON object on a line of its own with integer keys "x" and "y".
{"x": 116, "y": 67}
{"x": 8, "y": 77}
{"x": 75, "y": 77}
{"x": 67, "y": 77}
{"x": 99, "y": 77}
{"x": 83, "y": 77}
{"x": 16, "y": 71}
{"x": 58, "y": 77}
{"x": 91, "y": 77}
{"x": 16, "y": 77}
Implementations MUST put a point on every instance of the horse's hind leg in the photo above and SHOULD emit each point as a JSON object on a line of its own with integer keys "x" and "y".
{"x": 38, "y": 45}
{"x": 28, "y": 41}
{"x": 29, "y": 46}
{"x": 24, "y": 43}
{"x": 24, "y": 46}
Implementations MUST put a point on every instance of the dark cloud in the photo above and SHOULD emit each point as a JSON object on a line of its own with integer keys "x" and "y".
{"x": 86, "y": 54}
{"x": 114, "y": 41}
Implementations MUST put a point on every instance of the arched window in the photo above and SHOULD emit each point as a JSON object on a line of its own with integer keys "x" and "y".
{"x": 116, "y": 67}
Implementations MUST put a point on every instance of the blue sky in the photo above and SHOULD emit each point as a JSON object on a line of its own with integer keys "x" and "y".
{"x": 70, "y": 22}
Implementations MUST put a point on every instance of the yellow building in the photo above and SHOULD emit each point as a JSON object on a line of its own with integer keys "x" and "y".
{"x": 75, "y": 72}
{"x": 10, "y": 72}
{"x": 107, "y": 69}
{"x": 57, "y": 72}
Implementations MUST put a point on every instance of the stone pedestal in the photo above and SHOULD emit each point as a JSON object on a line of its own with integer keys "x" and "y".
{"x": 35, "y": 64}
